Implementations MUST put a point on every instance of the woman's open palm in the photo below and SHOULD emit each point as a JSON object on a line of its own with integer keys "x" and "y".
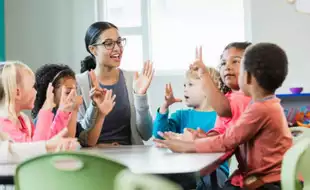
{"x": 143, "y": 80}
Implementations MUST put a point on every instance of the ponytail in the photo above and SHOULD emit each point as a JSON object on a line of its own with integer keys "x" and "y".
{"x": 88, "y": 64}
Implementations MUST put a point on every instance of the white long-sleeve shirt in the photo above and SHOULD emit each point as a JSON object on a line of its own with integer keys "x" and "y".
{"x": 11, "y": 152}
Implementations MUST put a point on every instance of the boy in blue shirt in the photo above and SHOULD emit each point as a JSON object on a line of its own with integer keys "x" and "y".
{"x": 199, "y": 116}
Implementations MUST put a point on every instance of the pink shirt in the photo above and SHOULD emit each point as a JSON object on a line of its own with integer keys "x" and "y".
{"x": 238, "y": 103}
{"x": 263, "y": 132}
{"x": 46, "y": 128}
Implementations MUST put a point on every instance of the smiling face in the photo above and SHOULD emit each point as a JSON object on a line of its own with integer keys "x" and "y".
{"x": 229, "y": 68}
{"x": 108, "y": 49}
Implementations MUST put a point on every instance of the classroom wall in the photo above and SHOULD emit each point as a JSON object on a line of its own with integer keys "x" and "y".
{"x": 277, "y": 21}
{"x": 45, "y": 31}
{"x": 57, "y": 34}
{"x": 2, "y": 31}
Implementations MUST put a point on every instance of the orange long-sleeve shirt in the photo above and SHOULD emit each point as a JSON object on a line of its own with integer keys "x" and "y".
{"x": 263, "y": 133}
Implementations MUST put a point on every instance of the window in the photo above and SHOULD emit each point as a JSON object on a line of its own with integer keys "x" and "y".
{"x": 124, "y": 13}
{"x": 132, "y": 56}
{"x": 167, "y": 31}
{"x": 131, "y": 17}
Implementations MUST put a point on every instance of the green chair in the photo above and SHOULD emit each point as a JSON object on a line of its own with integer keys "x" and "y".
{"x": 295, "y": 164}
{"x": 67, "y": 171}
{"x": 127, "y": 180}
{"x": 300, "y": 133}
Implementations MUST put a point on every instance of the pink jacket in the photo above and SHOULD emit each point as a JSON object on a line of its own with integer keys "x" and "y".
{"x": 47, "y": 126}
{"x": 238, "y": 103}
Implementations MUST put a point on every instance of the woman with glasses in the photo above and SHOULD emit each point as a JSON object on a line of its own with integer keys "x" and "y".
{"x": 130, "y": 121}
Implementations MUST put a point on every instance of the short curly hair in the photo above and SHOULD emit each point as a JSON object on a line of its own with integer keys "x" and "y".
{"x": 238, "y": 45}
{"x": 48, "y": 73}
{"x": 214, "y": 74}
{"x": 268, "y": 63}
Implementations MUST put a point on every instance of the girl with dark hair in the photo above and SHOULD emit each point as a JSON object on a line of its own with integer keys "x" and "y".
{"x": 62, "y": 77}
{"x": 130, "y": 121}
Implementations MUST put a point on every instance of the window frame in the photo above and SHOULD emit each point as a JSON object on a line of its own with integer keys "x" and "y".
{"x": 143, "y": 30}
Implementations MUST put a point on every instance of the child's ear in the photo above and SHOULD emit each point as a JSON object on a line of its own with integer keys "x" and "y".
{"x": 18, "y": 94}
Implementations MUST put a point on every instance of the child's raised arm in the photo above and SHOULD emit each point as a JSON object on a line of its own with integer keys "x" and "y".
{"x": 216, "y": 99}
{"x": 74, "y": 115}
{"x": 162, "y": 123}
{"x": 47, "y": 126}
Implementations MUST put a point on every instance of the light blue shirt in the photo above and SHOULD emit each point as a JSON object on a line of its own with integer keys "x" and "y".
{"x": 187, "y": 118}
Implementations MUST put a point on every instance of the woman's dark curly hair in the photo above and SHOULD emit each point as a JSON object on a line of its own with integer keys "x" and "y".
{"x": 240, "y": 46}
{"x": 49, "y": 73}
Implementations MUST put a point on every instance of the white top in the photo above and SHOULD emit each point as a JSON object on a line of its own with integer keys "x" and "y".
{"x": 152, "y": 160}
{"x": 11, "y": 152}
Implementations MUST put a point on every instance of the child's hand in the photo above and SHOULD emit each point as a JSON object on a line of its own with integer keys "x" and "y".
{"x": 170, "y": 135}
{"x": 195, "y": 134}
{"x": 169, "y": 99}
{"x": 49, "y": 103}
{"x": 187, "y": 135}
{"x": 78, "y": 102}
{"x": 67, "y": 101}
{"x": 107, "y": 104}
{"x": 177, "y": 145}
{"x": 198, "y": 65}
{"x": 61, "y": 143}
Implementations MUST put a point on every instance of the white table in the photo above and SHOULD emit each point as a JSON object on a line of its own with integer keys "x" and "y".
{"x": 152, "y": 160}
{"x": 144, "y": 159}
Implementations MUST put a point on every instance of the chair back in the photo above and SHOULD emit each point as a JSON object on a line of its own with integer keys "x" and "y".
{"x": 67, "y": 171}
{"x": 295, "y": 166}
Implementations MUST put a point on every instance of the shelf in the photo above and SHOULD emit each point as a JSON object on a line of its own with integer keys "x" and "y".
{"x": 293, "y": 95}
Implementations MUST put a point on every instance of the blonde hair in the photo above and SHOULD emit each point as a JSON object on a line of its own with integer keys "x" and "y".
{"x": 12, "y": 79}
{"x": 215, "y": 75}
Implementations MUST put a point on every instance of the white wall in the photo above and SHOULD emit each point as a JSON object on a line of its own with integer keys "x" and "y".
{"x": 277, "y": 21}
{"x": 45, "y": 31}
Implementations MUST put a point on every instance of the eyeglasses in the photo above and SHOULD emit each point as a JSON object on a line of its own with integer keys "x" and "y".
{"x": 110, "y": 44}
